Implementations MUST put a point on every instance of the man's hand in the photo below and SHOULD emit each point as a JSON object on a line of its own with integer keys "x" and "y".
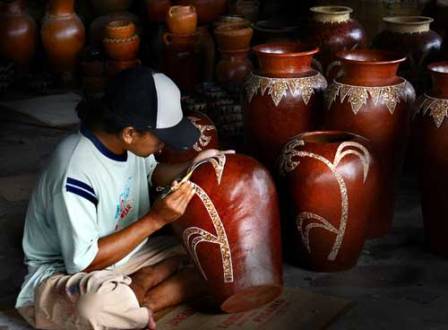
{"x": 210, "y": 153}
{"x": 173, "y": 206}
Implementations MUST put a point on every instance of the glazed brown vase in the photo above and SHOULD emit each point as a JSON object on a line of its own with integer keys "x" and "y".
{"x": 369, "y": 99}
{"x": 103, "y": 7}
{"x": 332, "y": 30}
{"x": 207, "y": 10}
{"x": 431, "y": 130}
{"x": 18, "y": 33}
{"x": 233, "y": 68}
{"x": 281, "y": 98}
{"x": 207, "y": 140}
{"x": 412, "y": 36}
{"x": 182, "y": 19}
{"x": 63, "y": 36}
{"x": 231, "y": 230}
{"x": 330, "y": 179}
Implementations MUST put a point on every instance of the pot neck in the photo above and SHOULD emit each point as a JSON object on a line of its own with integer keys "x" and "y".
{"x": 331, "y": 14}
{"x": 369, "y": 75}
{"x": 439, "y": 85}
{"x": 61, "y": 7}
{"x": 405, "y": 27}
{"x": 15, "y": 7}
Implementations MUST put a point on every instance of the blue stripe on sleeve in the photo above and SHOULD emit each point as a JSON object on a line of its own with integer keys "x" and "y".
{"x": 82, "y": 193}
{"x": 80, "y": 184}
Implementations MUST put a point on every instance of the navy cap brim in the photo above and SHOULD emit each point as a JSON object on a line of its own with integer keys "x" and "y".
{"x": 182, "y": 136}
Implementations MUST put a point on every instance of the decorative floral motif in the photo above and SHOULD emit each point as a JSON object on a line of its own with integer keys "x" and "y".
{"x": 358, "y": 96}
{"x": 193, "y": 236}
{"x": 287, "y": 165}
{"x": 436, "y": 108}
{"x": 204, "y": 139}
{"x": 277, "y": 88}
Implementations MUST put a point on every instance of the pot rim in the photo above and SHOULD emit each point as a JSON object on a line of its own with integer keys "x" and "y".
{"x": 395, "y": 57}
{"x": 235, "y": 27}
{"x": 331, "y": 10}
{"x": 308, "y": 50}
{"x": 440, "y": 67}
{"x": 119, "y": 24}
{"x": 408, "y": 20}
{"x": 329, "y": 137}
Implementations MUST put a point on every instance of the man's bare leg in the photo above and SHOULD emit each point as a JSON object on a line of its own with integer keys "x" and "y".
{"x": 178, "y": 288}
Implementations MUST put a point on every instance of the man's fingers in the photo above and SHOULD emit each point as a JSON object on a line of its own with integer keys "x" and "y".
{"x": 180, "y": 191}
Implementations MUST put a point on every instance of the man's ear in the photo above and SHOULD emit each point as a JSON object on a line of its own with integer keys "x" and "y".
{"x": 128, "y": 134}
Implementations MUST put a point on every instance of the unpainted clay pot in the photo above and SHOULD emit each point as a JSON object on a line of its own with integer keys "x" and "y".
{"x": 120, "y": 29}
{"x": 231, "y": 230}
{"x": 182, "y": 19}
{"x": 233, "y": 37}
{"x": 122, "y": 49}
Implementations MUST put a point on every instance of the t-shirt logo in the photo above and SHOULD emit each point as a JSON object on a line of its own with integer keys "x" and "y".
{"x": 125, "y": 205}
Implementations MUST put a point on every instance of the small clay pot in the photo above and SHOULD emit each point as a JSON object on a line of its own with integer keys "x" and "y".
{"x": 284, "y": 58}
{"x": 97, "y": 29}
{"x": 180, "y": 41}
{"x": 182, "y": 19}
{"x": 207, "y": 10}
{"x": 233, "y": 37}
{"x": 157, "y": 10}
{"x": 122, "y": 49}
{"x": 114, "y": 67}
{"x": 120, "y": 29}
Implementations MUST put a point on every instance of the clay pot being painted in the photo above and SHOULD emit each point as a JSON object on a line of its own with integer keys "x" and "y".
{"x": 207, "y": 140}
{"x": 18, "y": 33}
{"x": 157, "y": 10}
{"x": 332, "y": 30}
{"x": 103, "y": 7}
{"x": 231, "y": 230}
{"x": 233, "y": 37}
{"x": 182, "y": 19}
{"x": 281, "y": 99}
{"x": 122, "y": 49}
{"x": 63, "y": 36}
{"x": 233, "y": 68}
{"x": 98, "y": 26}
{"x": 411, "y": 35}
{"x": 431, "y": 132}
{"x": 369, "y": 99}
{"x": 120, "y": 29}
{"x": 330, "y": 179}
{"x": 207, "y": 10}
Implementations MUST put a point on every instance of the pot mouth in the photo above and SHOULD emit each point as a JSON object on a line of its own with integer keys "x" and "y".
{"x": 327, "y": 137}
{"x": 370, "y": 56}
{"x": 331, "y": 10}
{"x": 285, "y": 48}
{"x": 439, "y": 67}
{"x": 408, "y": 20}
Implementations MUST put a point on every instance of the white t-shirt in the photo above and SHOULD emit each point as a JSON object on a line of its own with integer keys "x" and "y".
{"x": 85, "y": 193}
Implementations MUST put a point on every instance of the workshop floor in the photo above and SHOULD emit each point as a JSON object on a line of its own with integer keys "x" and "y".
{"x": 395, "y": 285}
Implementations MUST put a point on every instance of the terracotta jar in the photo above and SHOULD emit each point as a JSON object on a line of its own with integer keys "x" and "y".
{"x": 114, "y": 67}
{"x": 411, "y": 35}
{"x": 18, "y": 33}
{"x": 431, "y": 131}
{"x": 281, "y": 99}
{"x": 330, "y": 179}
{"x": 233, "y": 37}
{"x": 332, "y": 30}
{"x": 125, "y": 49}
{"x": 157, "y": 10}
{"x": 207, "y": 140}
{"x": 369, "y": 99}
{"x": 207, "y": 10}
{"x": 98, "y": 26}
{"x": 231, "y": 230}
{"x": 182, "y": 19}
{"x": 63, "y": 35}
{"x": 110, "y": 6}
{"x": 233, "y": 68}
{"x": 120, "y": 29}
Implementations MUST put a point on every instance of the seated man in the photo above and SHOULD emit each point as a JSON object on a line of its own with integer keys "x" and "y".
{"x": 92, "y": 262}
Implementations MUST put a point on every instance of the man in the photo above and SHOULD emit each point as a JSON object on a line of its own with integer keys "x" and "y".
{"x": 90, "y": 262}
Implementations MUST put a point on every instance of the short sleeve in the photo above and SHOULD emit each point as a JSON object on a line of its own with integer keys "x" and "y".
{"x": 150, "y": 164}
{"x": 76, "y": 222}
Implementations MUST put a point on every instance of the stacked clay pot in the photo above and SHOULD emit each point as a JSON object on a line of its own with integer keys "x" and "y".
{"x": 63, "y": 37}
{"x": 330, "y": 178}
{"x": 281, "y": 99}
{"x": 207, "y": 140}
{"x": 412, "y": 36}
{"x": 234, "y": 43}
{"x": 121, "y": 45}
{"x": 18, "y": 33}
{"x": 181, "y": 47}
{"x": 97, "y": 29}
{"x": 369, "y": 99}
{"x": 231, "y": 230}
{"x": 207, "y": 10}
{"x": 431, "y": 131}
{"x": 332, "y": 30}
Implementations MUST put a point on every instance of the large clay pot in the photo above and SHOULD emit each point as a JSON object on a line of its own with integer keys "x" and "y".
{"x": 332, "y": 30}
{"x": 103, "y": 7}
{"x": 231, "y": 230}
{"x": 18, "y": 33}
{"x": 122, "y": 49}
{"x": 330, "y": 181}
{"x": 372, "y": 101}
{"x": 207, "y": 10}
{"x": 233, "y": 68}
{"x": 411, "y": 35}
{"x": 233, "y": 37}
{"x": 182, "y": 19}
{"x": 63, "y": 36}
{"x": 157, "y": 10}
{"x": 98, "y": 26}
{"x": 207, "y": 140}
{"x": 431, "y": 130}
{"x": 281, "y": 99}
